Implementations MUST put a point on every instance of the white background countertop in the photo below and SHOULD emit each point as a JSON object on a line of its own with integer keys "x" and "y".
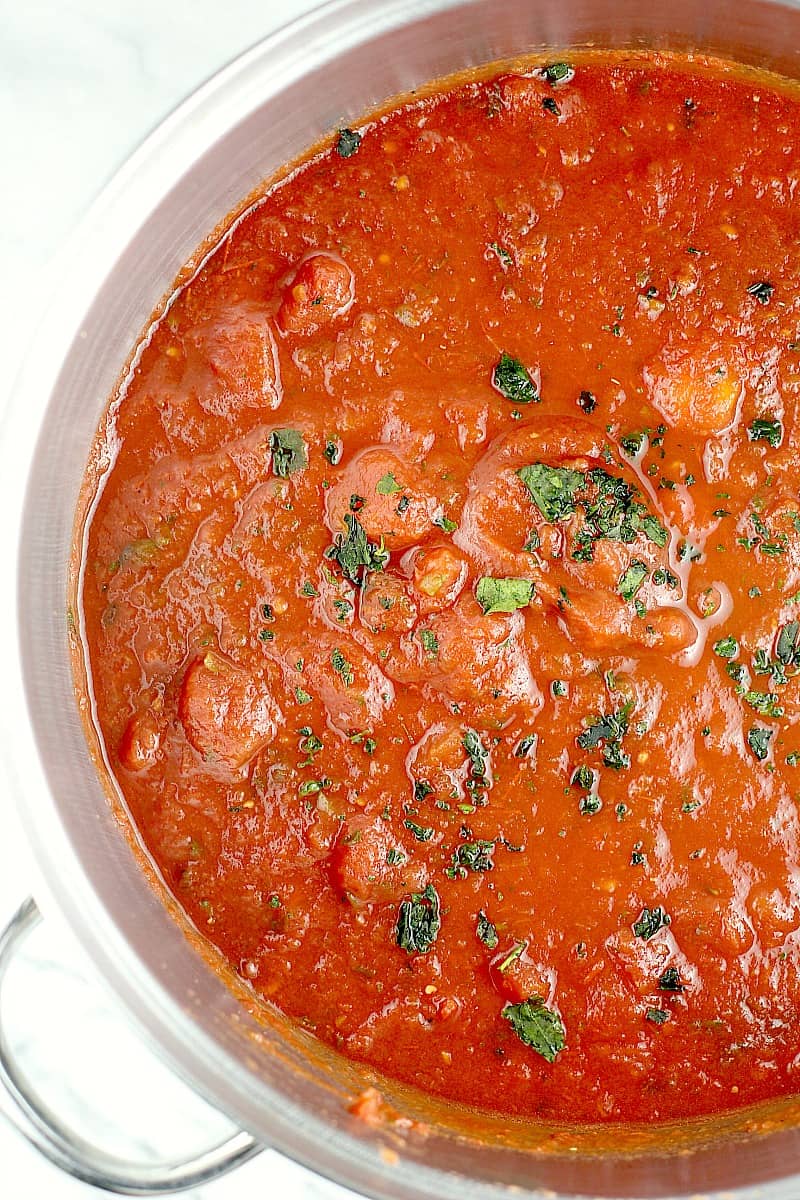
{"x": 81, "y": 83}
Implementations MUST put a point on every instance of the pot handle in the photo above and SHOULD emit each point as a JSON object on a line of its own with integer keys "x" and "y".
{"x": 28, "y": 1113}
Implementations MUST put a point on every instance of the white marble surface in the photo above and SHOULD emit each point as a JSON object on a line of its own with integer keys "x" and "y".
{"x": 81, "y": 82}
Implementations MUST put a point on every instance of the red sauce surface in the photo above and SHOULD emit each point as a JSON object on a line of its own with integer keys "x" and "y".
{"x": 545, "y": 860}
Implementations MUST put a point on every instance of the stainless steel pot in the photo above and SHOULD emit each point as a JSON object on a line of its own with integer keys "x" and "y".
{"x": 258, "y": 113}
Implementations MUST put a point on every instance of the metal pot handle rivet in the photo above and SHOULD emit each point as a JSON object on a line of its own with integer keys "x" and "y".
{"x": 24, "y": 1108}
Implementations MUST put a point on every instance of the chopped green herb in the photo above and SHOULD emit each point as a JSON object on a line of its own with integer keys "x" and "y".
{"x": 445, "y": 523}
{"x": 501, "y": 254}
{"x": 342, "y": 667}
{"x": 765, "y": 429}
{"x": 558, "y": 687}
{"x": 654, "y": 530}
{"x": 762, "y": 664}
{"x": 288, "y": 452}
{"x": 612, "y": 510}
{"x": 761, "y": 291}
{"x": 765, "y": 703}
{"x": 670, "y": 981}
{"x": 608, "y": 731}
{"x": 486, "y": 931}
{"x": 550, "y": 105}
{"x": 632, "y": 579}
{"x": 582, "y": 777}
{"x": 503, "y": 595}
{"x": 387, "y": 485}
{"x": 525, "y": 745}
{"x": 727, "y": 647}
{"x": 430, "y": 642}
{"x": 310, "y": 745}
{"x": 649, "y": 922}
{"x": 422, "y": 789}
{"x": 471, "y": 856}
{"x": 513, "y": 380}
{"x": 589, "y": 805}
{"x": 478, "y": 782}
{"x": 537, "y": 1026}
{"x": 301, "y": 696}
{"x": 737, "y": 671}
{"x": 632, "y": 443}
{"x": 662, "y": 575}
{"x": 758, "y": 739}
{"x": 308, "y": 589}
{"x": 657, "y": 1016}
{"x": 423, "y": 833}
{"x": 476, "y": 752}
{"x": 419, "y": 921}
{"x": 332, "y": 452}
{"x": 552, "y": 489}
{"x": 511, "y": 957}
{"x": 312, "y": 786}
{"x": 355, "y": 554}
{"x": 555, "y": 73}
{"x": 348, "y": 143}
{"x": 788, "y": 646}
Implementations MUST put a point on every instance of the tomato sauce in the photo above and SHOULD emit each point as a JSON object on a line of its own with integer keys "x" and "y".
{"x": 441, "y": 591}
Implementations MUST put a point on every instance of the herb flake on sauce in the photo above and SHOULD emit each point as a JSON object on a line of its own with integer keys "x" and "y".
{"x": 649, "y": 921}
{"x": 758, "y": 739}
{"x": 486, "y": 931}
{"x": 607, "y": 732}
{"x": 503, "y": 595}
{"x": 513, "y": 380}
{"x": 761, "y": 291}
{"x": 387, "y": 485}
{"x": 537, "y": 1026}
{"x": 632, "y": 579}
{"x": 347, "y": 143}
{"x": 288, "y": 452}
{"x": 612, "y": 509}
{"x": 419, "y": 921}
{"x": 355, "y": 554}
{"x": 727, "y": 647}
{"x": 556, "y": 72}
{"x": 430, "y": 642}
{"x": 766, "y": 429}
{"x": 471, "y": 856}
{"x": 342, "y": 668}
{"x": 552, "y": 489}
{"x": 670, "y": 981}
